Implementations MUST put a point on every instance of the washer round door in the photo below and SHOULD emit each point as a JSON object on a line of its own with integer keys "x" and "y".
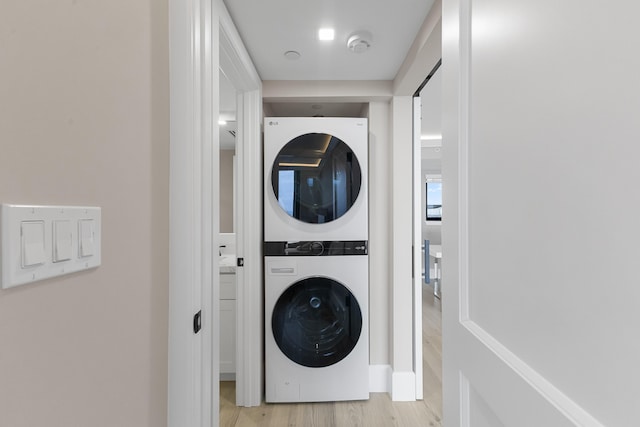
{"x": 316, "y": 322}
{"x": 316, "y": 178}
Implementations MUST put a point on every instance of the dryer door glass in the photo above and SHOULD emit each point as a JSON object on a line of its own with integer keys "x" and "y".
{"x": 316, "y": 178}
{"x": 316, "y": 322}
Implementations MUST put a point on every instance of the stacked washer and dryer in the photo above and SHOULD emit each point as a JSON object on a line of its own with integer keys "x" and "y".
{"x": 316, "y": 263}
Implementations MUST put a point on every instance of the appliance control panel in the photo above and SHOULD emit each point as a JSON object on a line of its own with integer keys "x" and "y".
{"x": 316, "y": 248}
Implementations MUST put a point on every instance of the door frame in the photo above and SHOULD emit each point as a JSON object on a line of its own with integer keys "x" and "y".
{"x": 418, "y": 255}
{"x": 424, "y": 54}
{"x": 237, "y": 66}
{"x": 417, "y": 245}
{"x": 202, "y": 38}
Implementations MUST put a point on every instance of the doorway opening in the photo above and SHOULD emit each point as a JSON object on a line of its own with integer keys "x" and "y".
{"x": 227, "y": 247}
{"x": 238, "y": 250}
{"x": 427, "y": 234}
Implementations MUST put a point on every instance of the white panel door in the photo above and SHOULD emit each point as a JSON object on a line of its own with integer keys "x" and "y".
{"x": 541, "y": 115}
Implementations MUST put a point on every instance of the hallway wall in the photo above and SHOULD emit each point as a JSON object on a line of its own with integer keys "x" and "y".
{"x": 84, "y": 121}
{"x": 226, "y": 190}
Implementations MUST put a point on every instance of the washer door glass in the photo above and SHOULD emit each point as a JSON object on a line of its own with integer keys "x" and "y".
{"x": 316, "y": 178}
{"x": 316, "y": 322}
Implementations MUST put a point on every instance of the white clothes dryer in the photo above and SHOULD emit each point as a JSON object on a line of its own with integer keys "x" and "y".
{"x": 315, "y": 179}
{"x": 316, "y": 322}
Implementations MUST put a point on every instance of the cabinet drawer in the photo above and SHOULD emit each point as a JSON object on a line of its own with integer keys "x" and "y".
{"x": 227, "y": 286}
{"x": 227, "y": 337}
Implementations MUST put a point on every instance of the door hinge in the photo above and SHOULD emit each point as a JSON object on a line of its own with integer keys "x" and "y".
{"x": 240, "y": 262}
{"x": 197, "y": 324}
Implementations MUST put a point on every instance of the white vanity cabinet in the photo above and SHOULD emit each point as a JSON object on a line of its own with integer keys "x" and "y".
{"x": 227, "y": 263}
{"x": 227, "y": 326}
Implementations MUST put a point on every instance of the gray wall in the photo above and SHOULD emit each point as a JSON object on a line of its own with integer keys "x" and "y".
{"x": 84, "y": 121}
{"x": 226, "y": 191}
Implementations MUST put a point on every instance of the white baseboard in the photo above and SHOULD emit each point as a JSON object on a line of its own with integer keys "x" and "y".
{"x": 403, "y": 386}
{"x": 379, "y": 378}
{"x": 227, "y": 376}
{"x": 400, "y": 385}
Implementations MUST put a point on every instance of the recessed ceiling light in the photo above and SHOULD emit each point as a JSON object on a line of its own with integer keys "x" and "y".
{"x": 222, "y": 122}
{"x": 326, "y": 34}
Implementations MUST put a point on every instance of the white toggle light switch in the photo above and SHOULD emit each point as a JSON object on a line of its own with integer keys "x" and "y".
{"x": 85, "y": 237}
{"x": 32, "y": 243}
{"x": 62, "y": 241}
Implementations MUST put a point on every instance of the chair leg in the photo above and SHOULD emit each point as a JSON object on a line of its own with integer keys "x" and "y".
{"x": 436, "y": 281}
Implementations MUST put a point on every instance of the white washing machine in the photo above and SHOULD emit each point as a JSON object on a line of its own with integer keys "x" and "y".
{"x": 317, "y": 322}
{"x": 315, "y": 179}
{"x": 316, "y": 264}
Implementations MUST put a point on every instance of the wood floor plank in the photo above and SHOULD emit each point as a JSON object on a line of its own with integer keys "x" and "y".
{"x": 378, "y": 411}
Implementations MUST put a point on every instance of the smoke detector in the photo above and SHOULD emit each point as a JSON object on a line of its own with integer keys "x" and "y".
{"x": 292, "y": 55}
{"x": 359, "y": 42}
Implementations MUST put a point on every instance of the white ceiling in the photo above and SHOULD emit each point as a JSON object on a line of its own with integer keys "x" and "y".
{"x": 271, "y": 28}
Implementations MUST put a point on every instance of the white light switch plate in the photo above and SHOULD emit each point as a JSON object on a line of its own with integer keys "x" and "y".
{"x": 23, "y": 259}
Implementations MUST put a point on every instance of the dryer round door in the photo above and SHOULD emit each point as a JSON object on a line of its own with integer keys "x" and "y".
{"x": 316, "y": 178}
{"x": 316, "y": 322}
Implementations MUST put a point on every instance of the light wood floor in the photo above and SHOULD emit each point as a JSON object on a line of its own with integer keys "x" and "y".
{"x": 379, "y": 410}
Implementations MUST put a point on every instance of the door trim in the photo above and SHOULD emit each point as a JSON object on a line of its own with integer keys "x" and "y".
{"x": 249, "y": 376}
{"x": 195, "y": 43}
{"x": 190, "y": 115}
{"x": 417, "y": 245}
